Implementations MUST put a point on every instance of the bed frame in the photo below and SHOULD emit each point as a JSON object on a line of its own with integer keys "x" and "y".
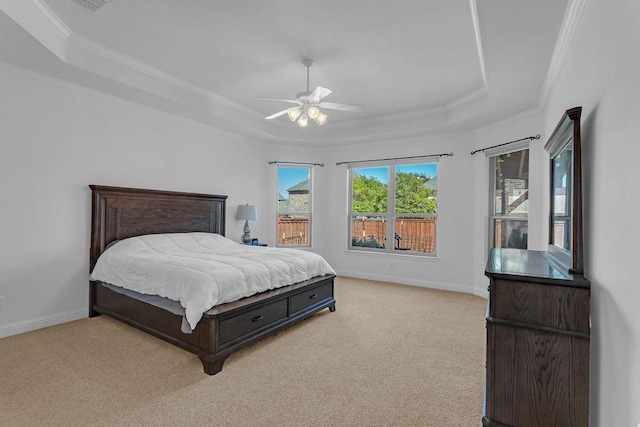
{"x": 118, "y": 213}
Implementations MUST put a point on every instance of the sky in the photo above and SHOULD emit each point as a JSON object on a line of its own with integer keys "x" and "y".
{"x": 290, "y": 176}
{"x": 382, "y": 173}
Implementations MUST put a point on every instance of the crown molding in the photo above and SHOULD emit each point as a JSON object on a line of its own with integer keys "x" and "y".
{"x": 479, "y": 93}
{"x": 568, "y": 28}
{"x": 476, "y": 28}
{"x": 154, "y": 72}
{"x": 49, "y": 17}
{"x": 36, "y": 17}
{"x": 572, "y": 16}
{"x": 38, "y": 20}
{"x": 507, "y": 120}
{"x": 254, "y": 138}
{"x": 415, "y": 114}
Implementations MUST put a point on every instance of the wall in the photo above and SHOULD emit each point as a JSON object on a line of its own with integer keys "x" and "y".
{"x": 56, "y": 140}
{"x": 600, "y": 73}
{"x": 451, "y": 269}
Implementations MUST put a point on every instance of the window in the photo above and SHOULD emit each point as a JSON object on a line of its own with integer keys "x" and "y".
{"x": 393, "y": 208}
{"x": 510, "y": 200}
{"x": 294, "y": 206}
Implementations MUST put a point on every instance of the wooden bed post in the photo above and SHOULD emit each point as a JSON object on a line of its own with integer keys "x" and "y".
{"x": 211, "y": 362}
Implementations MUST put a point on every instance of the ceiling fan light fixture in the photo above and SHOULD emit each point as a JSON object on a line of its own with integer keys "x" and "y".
{"x": 294, "y": 114}
{"x": 321, "y": 119}
{"x": 308, "y": 103}
{"x": 313, "y": 112}
{"x": 303, "y": 121}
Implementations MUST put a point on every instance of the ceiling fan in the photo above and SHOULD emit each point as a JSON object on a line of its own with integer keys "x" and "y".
{"x": 308, "y": 104}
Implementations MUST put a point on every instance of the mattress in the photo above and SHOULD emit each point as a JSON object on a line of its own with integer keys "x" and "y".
{"x": 202, "y": 270}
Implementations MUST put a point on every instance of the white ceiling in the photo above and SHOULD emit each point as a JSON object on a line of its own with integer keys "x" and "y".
{"x": 418, "y": 66}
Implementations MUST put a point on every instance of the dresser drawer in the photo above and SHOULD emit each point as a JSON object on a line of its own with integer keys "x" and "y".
{"x": 237, "y": 326}
{"x": 560, "y": 307}
{"x": 310, "y": 297}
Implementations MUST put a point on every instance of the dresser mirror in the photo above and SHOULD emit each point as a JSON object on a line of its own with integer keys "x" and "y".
{"x": 565, "y": 204}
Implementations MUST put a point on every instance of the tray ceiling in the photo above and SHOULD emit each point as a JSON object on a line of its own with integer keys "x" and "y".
{"x": 418, "y": 66}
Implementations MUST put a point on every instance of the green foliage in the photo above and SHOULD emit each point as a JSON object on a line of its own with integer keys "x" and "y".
{"x": 370, "y": 195}
{"x": 366, "y": 242}
{"x": 411, "y": 194}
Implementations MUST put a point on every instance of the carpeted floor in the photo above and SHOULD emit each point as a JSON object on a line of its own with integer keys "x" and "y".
{"x": 391, "y": 355}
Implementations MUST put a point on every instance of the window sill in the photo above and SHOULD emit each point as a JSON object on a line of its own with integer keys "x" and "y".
{"x": 399, "y": 254}
{"x": 302, "y": 248}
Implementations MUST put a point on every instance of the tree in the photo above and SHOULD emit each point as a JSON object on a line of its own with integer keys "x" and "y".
{"x": 411, "y": 194}
{"x": 369, "y": 194}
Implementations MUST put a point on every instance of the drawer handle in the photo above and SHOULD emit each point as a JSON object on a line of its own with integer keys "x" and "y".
{"x": 255, "y": 319}
{"x": 313, "y": 296}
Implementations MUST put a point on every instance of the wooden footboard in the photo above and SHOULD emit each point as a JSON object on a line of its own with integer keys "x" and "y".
{"x": 230, "y": 327}
{"x": 226, "y": 328}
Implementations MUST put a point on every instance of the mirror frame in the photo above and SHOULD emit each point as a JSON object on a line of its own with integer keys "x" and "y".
{"x": 568, "y": 132}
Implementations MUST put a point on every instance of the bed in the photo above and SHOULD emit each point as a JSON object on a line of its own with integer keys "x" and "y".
{"x": 119, "y": 213}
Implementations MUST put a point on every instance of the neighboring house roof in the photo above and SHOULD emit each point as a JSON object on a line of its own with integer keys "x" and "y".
{"x": 300, "y": 188}
{"x": 432, "y": 183}
{"x": 281, "y": 197}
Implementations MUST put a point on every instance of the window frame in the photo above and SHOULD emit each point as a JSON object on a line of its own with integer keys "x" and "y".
{"x": 390, "y": 216}
{"x": 493, "y": 156}
{"x": 308, "y": 214}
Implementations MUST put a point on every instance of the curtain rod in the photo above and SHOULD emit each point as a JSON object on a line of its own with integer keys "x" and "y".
{"x": 530, "y": 138}
{"x": 278, "y": 162}
{"x": 395, "y": 158}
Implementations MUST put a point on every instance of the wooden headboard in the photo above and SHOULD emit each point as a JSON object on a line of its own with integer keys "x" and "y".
{"x": 118, "y": 213}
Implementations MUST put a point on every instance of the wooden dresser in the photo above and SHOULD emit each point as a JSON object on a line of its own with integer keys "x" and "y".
{"x": 537, "y": 342}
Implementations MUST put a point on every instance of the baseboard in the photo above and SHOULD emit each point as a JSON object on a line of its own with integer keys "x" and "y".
{"x": 41, "y": 322}
{"x": 481, "y": 293}
{"x": 406, "y": 281}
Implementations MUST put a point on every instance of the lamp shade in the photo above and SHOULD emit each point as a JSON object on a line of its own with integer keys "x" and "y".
{"x": 247, "y": 213}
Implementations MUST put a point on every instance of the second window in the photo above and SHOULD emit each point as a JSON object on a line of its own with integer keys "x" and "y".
{"x": 393, "y": 208}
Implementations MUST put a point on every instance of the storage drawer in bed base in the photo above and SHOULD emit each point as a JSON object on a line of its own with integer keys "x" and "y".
{"x": 226, "y": 328}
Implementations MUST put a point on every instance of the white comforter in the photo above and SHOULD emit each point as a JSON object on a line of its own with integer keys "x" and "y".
{"x": 201, "y": 270}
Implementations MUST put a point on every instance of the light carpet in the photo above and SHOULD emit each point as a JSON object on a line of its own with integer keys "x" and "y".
{"x": 391, "y": 355}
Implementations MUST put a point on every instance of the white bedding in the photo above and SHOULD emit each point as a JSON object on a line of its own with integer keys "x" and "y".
{"x": 201, "y": 270}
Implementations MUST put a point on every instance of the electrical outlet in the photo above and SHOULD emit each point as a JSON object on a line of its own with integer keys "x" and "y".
{"x": 1, "y": 303}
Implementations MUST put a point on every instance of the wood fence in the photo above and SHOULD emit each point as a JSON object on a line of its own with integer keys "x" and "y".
{"x": 293, "y": 231}
{"x": 417, "y": 235}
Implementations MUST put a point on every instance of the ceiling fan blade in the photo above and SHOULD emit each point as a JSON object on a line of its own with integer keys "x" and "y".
{"x": 319, "y": 93}
{"x": 281, "y": 113}
{"x": 291, "y": 101}
{"x": 343, "y": 107}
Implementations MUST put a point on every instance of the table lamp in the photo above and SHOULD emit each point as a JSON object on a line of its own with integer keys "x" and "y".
{"x": 247, "y": 213}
